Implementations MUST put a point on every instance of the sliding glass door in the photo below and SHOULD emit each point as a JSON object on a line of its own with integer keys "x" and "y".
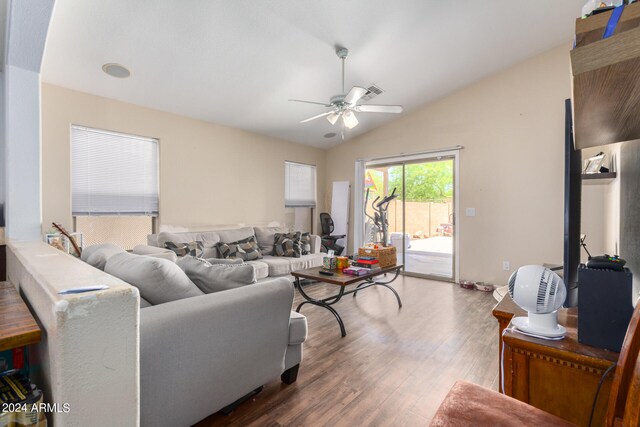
{"x": 410, "y": 204}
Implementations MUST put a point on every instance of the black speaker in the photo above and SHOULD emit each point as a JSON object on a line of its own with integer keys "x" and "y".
{"x": 605, "y": 306}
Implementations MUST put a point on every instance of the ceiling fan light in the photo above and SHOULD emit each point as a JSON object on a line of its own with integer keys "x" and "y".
{"x": 349, "y": 119}
{"x": 333, "y": 118}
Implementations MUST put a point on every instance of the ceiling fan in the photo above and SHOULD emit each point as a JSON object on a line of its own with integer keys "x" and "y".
{"x": 346, "y": 105}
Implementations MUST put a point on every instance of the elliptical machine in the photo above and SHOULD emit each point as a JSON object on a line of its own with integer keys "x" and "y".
{"x": 377, "y": 227}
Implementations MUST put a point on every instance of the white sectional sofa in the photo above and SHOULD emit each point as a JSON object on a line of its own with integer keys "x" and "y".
{"x": 268, "y": 266}
{"x": 201, "y": 352}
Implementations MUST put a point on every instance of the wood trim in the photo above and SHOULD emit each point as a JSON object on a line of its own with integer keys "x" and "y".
{"x": 613, "y": 50}
{"x": 623, "y": 376}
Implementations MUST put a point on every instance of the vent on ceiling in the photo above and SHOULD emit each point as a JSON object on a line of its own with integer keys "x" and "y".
{"x": 372, "y": 92}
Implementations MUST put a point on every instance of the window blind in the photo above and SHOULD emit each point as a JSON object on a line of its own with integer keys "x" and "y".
{"x": 299, "y": 185}
{"x": 113, "y": 173}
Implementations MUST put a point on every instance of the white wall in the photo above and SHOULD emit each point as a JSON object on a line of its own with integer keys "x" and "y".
{"x": 511, "y": 169}
{"x": 22, "y": 155}
{"x": 209, "y": 174}
{"x": 600, "y": 214}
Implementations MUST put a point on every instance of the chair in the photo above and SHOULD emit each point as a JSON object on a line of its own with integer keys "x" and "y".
{"x": 470, "y": 404}
{"x": 328, "y": 241}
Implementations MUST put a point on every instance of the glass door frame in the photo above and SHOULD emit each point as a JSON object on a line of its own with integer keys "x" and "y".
{"x": 402, "y": 160}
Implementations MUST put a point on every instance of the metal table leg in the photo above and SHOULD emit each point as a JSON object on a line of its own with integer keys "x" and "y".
{"x": 326, "y": 303}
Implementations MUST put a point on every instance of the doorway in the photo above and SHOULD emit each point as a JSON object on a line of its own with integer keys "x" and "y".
{"x": 420, "y": 220}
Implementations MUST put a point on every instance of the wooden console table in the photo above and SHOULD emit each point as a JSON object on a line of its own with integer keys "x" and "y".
{"x": 559, "y": 377}
{"x": 18, "y": 328}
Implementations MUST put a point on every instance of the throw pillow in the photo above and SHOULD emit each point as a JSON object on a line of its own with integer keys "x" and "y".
{"x": 97, "y": 255}
{"x": 246, "y": 249}
{"x": 158, "y": 280}
{"x": 266, "y": 237}
{"x": 287, "y": 245}
{"x": 305, "y": 243}
{"x": 219, "y": 277}
{"x": 195, "y": 249}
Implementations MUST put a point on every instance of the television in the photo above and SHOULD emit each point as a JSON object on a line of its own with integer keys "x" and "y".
{"x": 572, "y": 207}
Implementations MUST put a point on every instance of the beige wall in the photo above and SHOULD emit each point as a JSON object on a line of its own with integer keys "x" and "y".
{"x": 511, "y": 169}
{"x": 209, "y": 174}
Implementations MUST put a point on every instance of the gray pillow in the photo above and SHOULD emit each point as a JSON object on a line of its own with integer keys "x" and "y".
{"x": 97, "y": 255}
{"x": 234, "y": 235}
{"x": 158, "y": 280}
{"x": 266, "y": 237}
{"x": 219, "y": 277}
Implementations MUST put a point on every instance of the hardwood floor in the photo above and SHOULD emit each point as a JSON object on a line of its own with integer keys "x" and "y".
{"x": 394, "y": 367}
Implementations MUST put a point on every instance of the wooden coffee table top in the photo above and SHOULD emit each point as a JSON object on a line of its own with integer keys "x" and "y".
{"x": 339, "y": 278}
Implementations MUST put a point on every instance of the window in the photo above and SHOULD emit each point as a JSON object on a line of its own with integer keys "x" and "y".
{"x": 299, "y": 185}
{"x": 114, "y": 186}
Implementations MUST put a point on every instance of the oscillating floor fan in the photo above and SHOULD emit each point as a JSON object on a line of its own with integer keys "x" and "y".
{"x": 541, "y": 292}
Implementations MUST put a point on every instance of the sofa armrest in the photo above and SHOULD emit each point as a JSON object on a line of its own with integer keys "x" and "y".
{"x": 156, "y": 252}
{"x": 316, "y": 244}
{"x": 297, "y": 328}
{"x": 220, "y": 345}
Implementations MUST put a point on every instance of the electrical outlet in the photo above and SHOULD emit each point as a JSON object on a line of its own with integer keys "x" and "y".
{"x": 506, "y": 266}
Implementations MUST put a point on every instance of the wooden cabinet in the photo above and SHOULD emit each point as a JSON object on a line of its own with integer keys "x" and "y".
{"x": 606, "y": 85}
{"x": 559, "y": 377}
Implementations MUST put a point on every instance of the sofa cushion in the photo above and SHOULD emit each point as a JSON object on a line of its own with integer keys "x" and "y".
{"x": 246, "y": 249}
{"x": 155, "y": 252}
{"x": 235, "y": 235}
{"x": 224, "y": 260}
{"x": 158, "y": 280}
{"x": 144, "y": 303}
{"x": 208, "y": 239}
{"x": 195, "y": 249}
{"x": 216, "y": 277}
{"x": 262, "y": 269}
{"x": 297, "y": 328}
{"x": 97, "y": 255}
{"x": 287, "y": 245}
{"x": 266, "y": 237}
{"x": 279, "y": 266}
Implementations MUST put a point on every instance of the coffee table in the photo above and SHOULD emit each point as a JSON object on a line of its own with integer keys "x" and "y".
{"x": 342, "y": 281}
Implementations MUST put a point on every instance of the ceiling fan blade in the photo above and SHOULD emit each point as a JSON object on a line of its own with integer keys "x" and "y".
{"x": 379, "y": 108}
{"x": 354, "y": 95}
{"x": 316, "y": 117}
{"x": 311, "y": 102}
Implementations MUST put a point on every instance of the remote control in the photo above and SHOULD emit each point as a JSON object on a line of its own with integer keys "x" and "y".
{"x": 326, "y": 273}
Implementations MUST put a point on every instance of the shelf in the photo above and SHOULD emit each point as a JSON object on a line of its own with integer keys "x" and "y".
{"x": 606, "y": 87}
{"x": 598, "y": 178}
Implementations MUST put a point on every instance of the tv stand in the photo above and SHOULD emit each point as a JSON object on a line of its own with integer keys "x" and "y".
{"x": 559, "y": 377}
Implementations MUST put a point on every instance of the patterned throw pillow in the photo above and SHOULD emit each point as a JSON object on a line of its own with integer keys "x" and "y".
{"x": 287, "y": 245}
{"x": 305, "y": 243}
{"x": 195, "y": 249}
{"x": 245, "y": 249}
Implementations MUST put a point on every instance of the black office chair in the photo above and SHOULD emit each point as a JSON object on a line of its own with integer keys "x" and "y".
{"x": 328, "y": 241}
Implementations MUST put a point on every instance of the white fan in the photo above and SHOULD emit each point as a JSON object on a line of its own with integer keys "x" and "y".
{"x": 541, "y": 292}
{"x": 346, "y": 105}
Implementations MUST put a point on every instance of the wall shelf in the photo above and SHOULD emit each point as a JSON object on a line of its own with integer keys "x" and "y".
{"x": 606, "y": 89}
{"x": 598, "y": 178}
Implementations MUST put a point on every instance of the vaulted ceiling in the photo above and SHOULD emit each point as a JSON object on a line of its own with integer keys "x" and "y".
{"x": 237, "y": 62}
